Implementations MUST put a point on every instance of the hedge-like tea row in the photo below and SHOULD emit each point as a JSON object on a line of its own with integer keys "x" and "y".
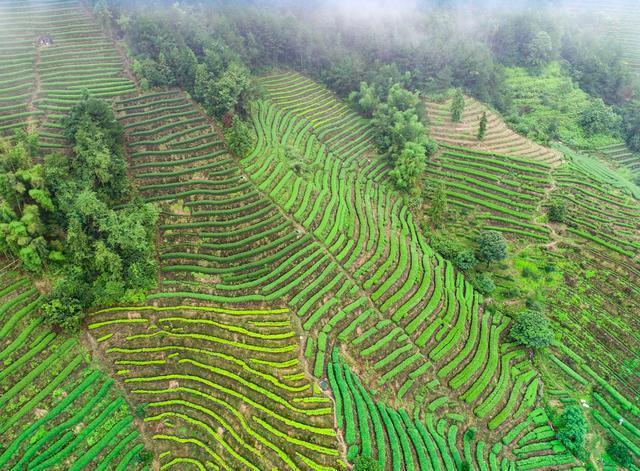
{"x": 222, "y": 367}
{"x": 51, "y": 398}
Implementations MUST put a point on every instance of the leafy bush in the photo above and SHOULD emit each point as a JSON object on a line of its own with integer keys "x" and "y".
{"x": 457, "y": 106}
{"x": 532, "y": 329}
{"x": 238, "y": 137}
{"x": 492, "y": 247}
{"x": 557, "y": 211}
{"x": 572, "y": 430}
{"x": 484, "y": 283}
{"x": 465, "y": 260}
{"x": 619, "y": 453}
{"x": 365, "y": 463}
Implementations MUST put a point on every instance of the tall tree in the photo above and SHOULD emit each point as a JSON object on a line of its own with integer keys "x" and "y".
{"x": 457, "y": 106}
{"x": 482, "y": 126}
{"x": 492, "y": 247}
{"x": 439, "y": 203}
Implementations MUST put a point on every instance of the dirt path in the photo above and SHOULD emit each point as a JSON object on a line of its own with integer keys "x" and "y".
{"x": 96, "y": 353}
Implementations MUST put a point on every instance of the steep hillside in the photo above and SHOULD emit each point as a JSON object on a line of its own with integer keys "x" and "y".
{"x": 499, "y": 138}
{"x": 302, "y": 319}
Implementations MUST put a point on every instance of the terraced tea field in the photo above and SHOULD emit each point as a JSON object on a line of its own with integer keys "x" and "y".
{"x": 58, "y": 410}
{"x": 498, "y": 139}
{"x": 500, "y": 192}
{"x": 40, "y": 83}
{"x": 222, "y": 388}
{"x": 301, "y": 318}
{"x": 622, "y": 156}
{"x": 253, "y": 231}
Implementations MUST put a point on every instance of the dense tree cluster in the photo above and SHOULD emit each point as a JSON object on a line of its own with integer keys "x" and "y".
{"x": 77, "y": 215}
{"x": 398, "y": 121}
{"x": 207, "y": 51}
{"x": 172, "y": 53}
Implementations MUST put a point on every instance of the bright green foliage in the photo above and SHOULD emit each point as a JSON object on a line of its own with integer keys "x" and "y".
{"x": 238, "y": 137}
{"x": 439, "y": 203}
{"x": 549, "y": 105}
{"x": 598, "y": 118}
{"x": 408, "y": 166}
{"x": 365, "y": 463}
{"x": 457, "y": 106}
{"x": 365, "y": 100}
{"x": 399, "y": 132}
{"x": 572, "y": 430}
{"x": 492, "y": 247}
{"x": 532, "y": 329}
{"x": 25, "y": 203}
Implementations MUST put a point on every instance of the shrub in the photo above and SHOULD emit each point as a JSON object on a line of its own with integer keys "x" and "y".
{"x": 482, "y": 126}
{"x": 457, "y": 106}
{"x": 65, "y": 314}
{"x": 557, "y": 211}
{"x": 465, "y": 260}
{"x": 572, "y": 430}
{"x": 484, "y": 283}
{"x": 238, "y": 137}
{"x": 366, "y": 463}
{"x": 512, "y": 292}
{"x": 532, "y": 329}
{"x": 619, "y": 453}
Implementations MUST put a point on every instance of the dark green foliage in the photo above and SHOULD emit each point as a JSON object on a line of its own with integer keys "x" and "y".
{"x": 399, "y": 131}
{"x": 532, "y": 329}
{"x": 631, "y": 124}
{"x": 145, "y": 456}
{"x": 483, "y": 283}
{"x": 365, "y": 463}
{"x": 446, "y": 246}
{"x": 92, "y": 114}
{"x": 557, "y": 211}
{"x": 572, "y": 430}
{"x": 492, "y": 247}
{"x": 108, "y": 253}
{"x": 465, "y": 260}
{"x": 457, "y": 106}
{"x": 619, "y": 453}
{"x": 63, "y": 311}
{"x": 224, "y": 93}
{"x": 238, "y": 137}
{"x": 170, "y": 54}
{"x": 527, "y": 38}
{"x": 482, "y": 126}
